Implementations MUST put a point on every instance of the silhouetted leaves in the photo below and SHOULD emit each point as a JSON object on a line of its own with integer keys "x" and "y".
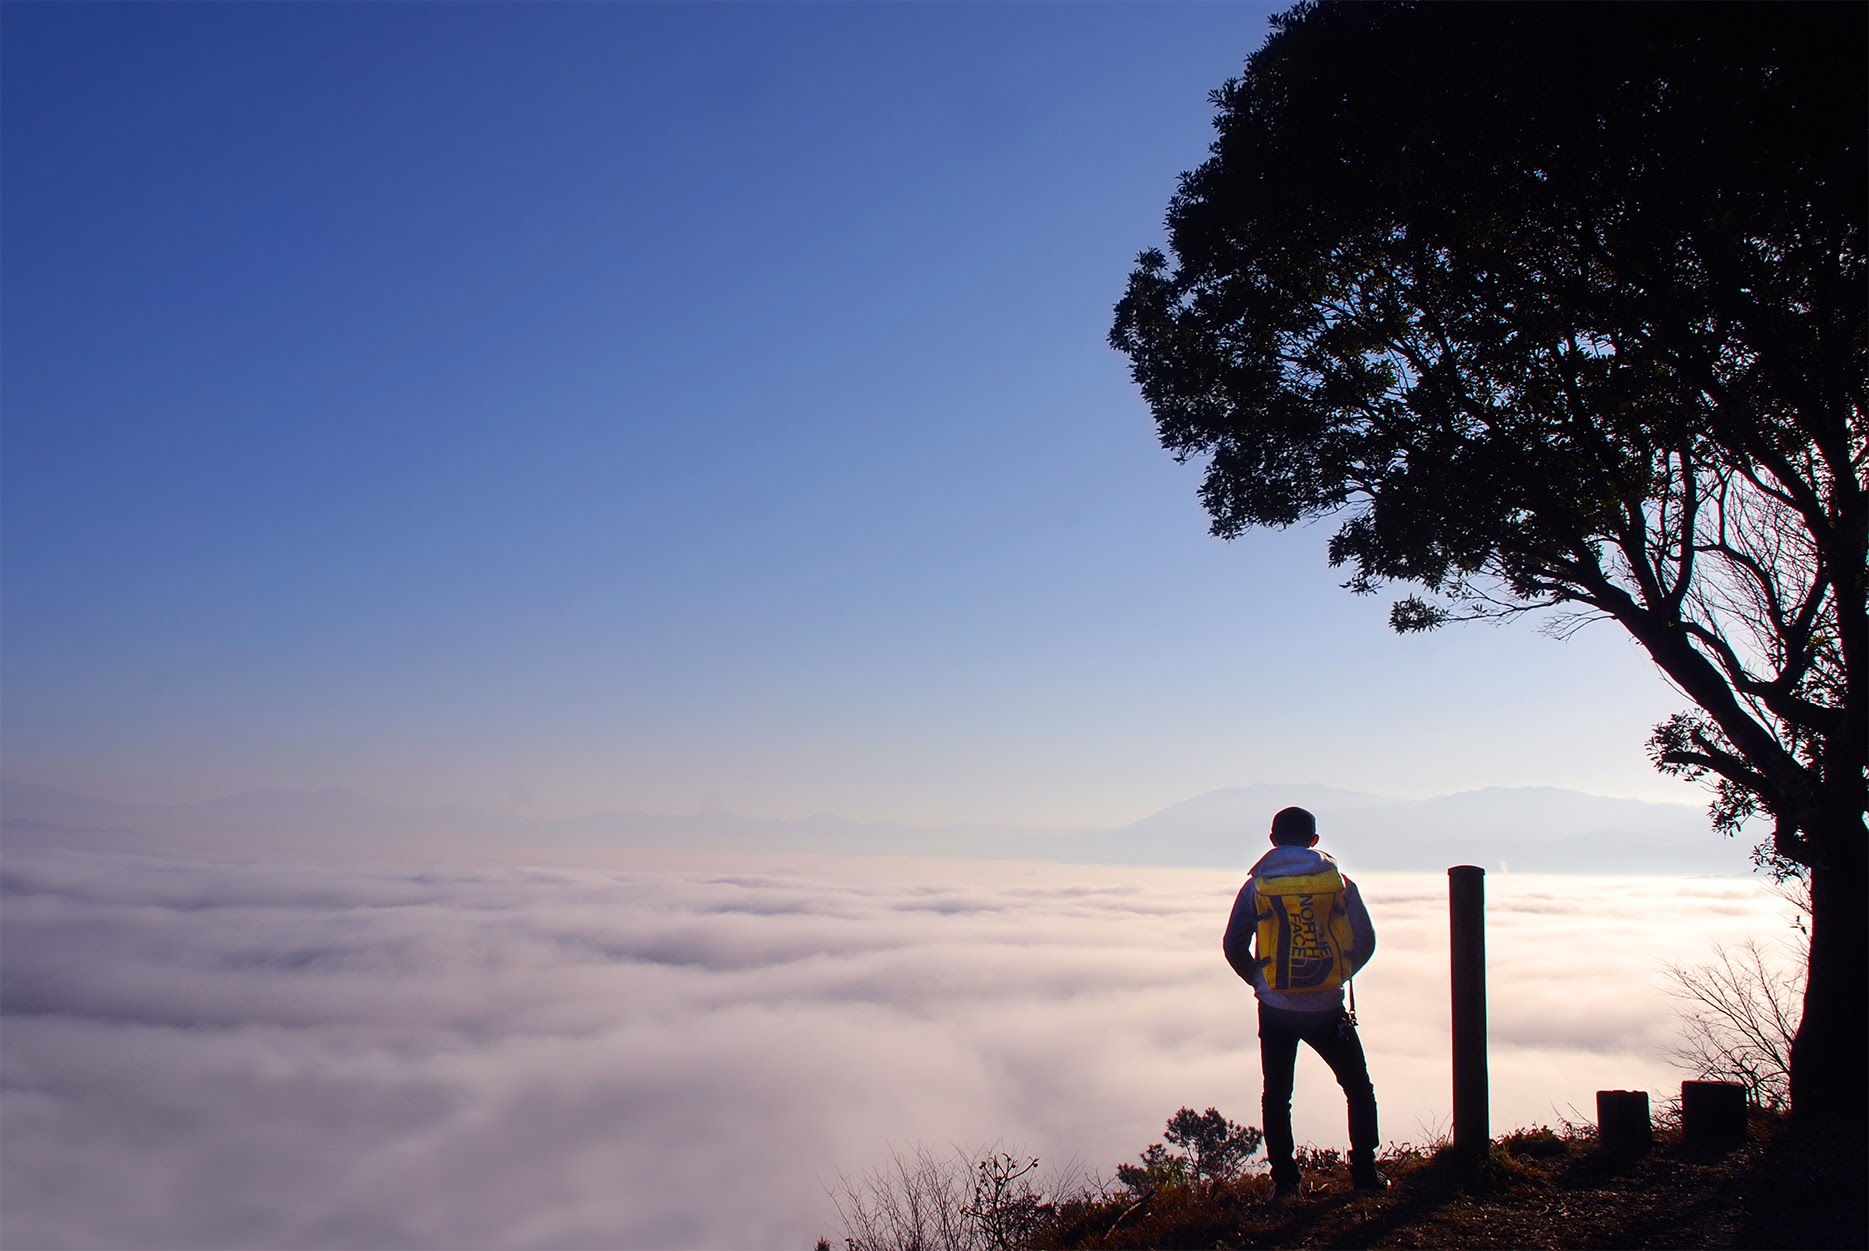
{"x": 1211, "y": 1148}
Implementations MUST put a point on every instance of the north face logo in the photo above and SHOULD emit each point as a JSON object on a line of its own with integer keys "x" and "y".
{"x": 1304, "y": 935}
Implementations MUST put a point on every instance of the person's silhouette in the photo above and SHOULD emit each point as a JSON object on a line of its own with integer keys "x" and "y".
{"x": 1297, "y": 935}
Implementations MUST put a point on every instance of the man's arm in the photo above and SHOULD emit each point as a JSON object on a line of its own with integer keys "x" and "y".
{"x": 1361, "y": 928}
{"x": 1240, "y": 929}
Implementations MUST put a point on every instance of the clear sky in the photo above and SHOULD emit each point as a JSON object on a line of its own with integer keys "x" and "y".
{"x": 558, "y": 407}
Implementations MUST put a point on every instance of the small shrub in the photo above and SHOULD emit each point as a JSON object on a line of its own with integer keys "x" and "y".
{"x": 1158, "y": 1169}
{"x": 1216, "y": 1149}
{"x": 920, "y": 1201}
{"x": 1540, "y": 1142}
{"x": 1313, "y": 1159}
{"x": 1212, "y": 1149}
{"x": 1502, "y": 1171}
{"x": 1005, "y": 1208}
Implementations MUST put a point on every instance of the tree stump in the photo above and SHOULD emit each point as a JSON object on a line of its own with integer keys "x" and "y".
{"x": 1622, "y": 1123}
{"x": 1713, "y": 1115}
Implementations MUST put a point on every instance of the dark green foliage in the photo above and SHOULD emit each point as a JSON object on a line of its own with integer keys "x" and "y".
{"x": 1540, "y": 1142}
{"x": 1211, "y": 1148}
{"x": 1158, "y": 1168}
{"x": 1566, "y": 307}
{"x": 1215, "y": 1147}
{"x": 1318, "y": 1160}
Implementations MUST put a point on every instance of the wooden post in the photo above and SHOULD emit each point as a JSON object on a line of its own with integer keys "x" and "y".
{"x": 1622, "y": 1122}
{"x": 1466, "y": 895}
{"x": 1713, "y": 1115}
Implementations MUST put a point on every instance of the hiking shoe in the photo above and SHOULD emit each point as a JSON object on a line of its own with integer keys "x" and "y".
{"x": 1285, "y": 1188}
{"x": 1368, "y": 1180}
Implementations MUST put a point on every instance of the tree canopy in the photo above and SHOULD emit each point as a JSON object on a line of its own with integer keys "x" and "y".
{"x": 1565, "y": 308}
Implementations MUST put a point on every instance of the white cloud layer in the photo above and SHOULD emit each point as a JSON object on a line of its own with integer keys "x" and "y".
{"x": 217, "y": 1054}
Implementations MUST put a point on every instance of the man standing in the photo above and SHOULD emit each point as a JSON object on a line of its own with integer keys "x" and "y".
{"x": 1298, "y": 934}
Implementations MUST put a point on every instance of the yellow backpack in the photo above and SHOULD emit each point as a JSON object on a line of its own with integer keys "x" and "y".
{"x": 1304, "y": 936}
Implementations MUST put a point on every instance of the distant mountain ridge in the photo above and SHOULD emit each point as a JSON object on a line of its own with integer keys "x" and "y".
{"x": 1529, "y": 829}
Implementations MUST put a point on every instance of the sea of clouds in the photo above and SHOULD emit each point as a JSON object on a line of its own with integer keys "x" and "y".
{"x": 201, "y": 1052}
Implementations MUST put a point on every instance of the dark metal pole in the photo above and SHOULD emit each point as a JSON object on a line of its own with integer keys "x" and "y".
{"x": 1466, "y": 894}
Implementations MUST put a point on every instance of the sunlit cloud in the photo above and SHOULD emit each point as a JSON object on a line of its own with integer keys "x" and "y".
{"x": 207, "y": 1053}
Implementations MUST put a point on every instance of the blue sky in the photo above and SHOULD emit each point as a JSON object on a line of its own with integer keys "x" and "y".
{"x": 550, "y": 408}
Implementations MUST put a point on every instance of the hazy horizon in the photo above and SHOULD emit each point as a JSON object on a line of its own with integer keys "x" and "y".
{"x": 1696, "y": 798}
{"x": 1538, "y": 829}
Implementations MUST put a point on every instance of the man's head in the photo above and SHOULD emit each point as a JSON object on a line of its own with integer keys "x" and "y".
{"x": 1294, "y": 827}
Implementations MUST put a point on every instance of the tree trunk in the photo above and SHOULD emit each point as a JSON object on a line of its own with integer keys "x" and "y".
{"x": 1830, "y": 1055}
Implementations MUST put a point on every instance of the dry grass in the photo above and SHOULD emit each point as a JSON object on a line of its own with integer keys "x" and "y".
{"x": 1537, "y": 1188}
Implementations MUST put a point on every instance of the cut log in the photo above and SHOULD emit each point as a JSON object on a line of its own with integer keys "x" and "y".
{"x": 1713, "y": 1115}
{"x": 1622, "y": 1122}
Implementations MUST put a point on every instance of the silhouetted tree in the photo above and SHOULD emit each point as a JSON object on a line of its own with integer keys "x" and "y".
{"x": 1215, "y": 1147}
{"x": 920, "y": 1201}
{"x": 1563, "y": 307}
{"x": 1211, "y": 1148}
{"x": 1738, "y": 1019}
{"x": 1739, "y": 1011}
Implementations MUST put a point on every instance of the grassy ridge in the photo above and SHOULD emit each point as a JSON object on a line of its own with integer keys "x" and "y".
{"x": 1783, "y": 1188}
{"x": 1537, "y": 1188}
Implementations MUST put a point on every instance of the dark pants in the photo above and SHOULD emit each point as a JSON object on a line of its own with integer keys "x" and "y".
{"x": 1331, "y": 1035}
